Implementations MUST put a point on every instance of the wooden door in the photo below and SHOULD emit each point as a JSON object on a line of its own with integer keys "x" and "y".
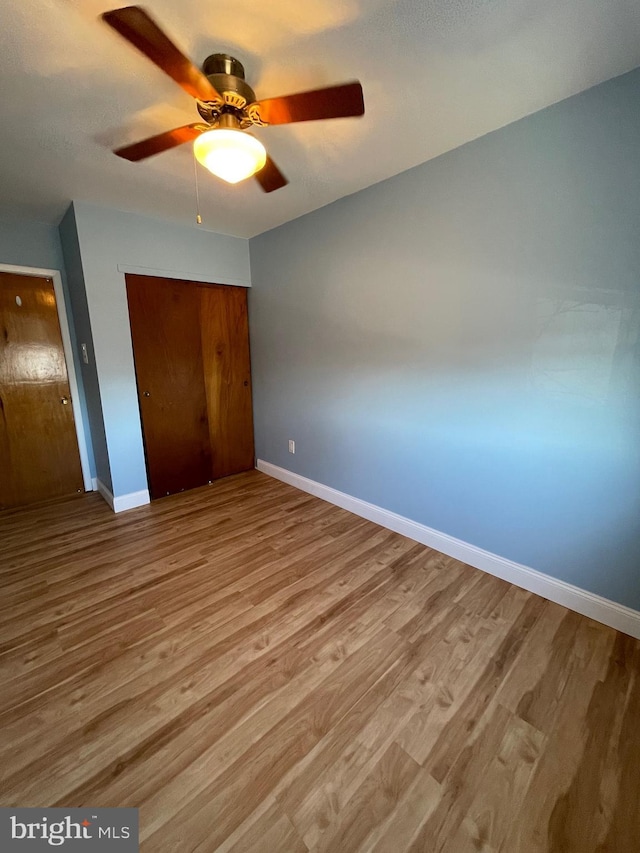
{"x": 165, "y": 330}
{"x": 39, "y": 457}
{"x": 225, "y": 351}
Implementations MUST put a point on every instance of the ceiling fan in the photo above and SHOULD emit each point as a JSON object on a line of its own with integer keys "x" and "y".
{"x": 227, "y": 106}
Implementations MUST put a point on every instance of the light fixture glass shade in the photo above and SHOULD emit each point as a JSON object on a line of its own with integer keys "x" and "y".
{"x": 232, "y": 155}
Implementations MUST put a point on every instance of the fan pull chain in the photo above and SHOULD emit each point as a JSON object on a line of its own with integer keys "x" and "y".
{"x": 195, "y": 176}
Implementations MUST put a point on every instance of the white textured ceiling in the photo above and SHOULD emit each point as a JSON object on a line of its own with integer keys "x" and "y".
{"x": 435, "y": 73}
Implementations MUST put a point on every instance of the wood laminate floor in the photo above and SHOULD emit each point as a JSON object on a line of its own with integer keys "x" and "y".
{"x": 260, "y": 671}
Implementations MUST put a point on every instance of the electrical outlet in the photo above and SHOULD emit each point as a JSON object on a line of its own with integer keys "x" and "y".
{"x": 292, "y": 446}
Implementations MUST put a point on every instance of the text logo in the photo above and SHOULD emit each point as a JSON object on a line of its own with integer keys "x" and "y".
{"x": 86, "y": 830}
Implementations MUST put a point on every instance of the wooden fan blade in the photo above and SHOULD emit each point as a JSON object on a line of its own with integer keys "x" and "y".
{"x": 161, "y": 142}
{"x": 332, "y": 102}
{"x": 135, "y": 25}
{"x": 270, "y": 177}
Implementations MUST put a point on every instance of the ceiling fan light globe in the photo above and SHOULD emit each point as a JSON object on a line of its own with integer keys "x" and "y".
{"x": 232, "y": 155}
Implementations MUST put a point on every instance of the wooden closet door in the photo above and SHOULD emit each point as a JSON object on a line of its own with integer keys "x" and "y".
{"x": 225, "y": 353}
{"x": 165, "y": 329}
{"x": 39, "y": 457}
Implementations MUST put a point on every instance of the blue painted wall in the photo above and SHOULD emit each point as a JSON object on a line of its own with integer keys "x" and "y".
{"x": 460, "y": 344}
{"x": 82, "y": 324}
{"x": 30, "y": 243}
{"x": 110, "y": 243}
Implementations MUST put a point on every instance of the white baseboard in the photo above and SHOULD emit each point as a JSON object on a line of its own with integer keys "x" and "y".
{"x": 131, "y": 501}
{"x": 94, "y": 484}
{"x": 587, "y": 603}
{"x": 104, "y": 491}
{"x": 123, "y": 502}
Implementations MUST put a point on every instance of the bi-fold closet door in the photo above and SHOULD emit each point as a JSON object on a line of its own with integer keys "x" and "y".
{"x": 191, "y": 351}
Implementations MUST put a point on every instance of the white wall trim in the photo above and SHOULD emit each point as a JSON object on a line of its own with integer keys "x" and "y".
{"x": 105, "y": 492}
{"x": 131, "y": 501}
{"x": 56, "y": 277}
{"x": 587, "y": 603}
{"x": 123, "y": 502}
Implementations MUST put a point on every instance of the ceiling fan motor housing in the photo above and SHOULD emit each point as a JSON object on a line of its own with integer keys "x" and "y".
{"x": 226, "y": 74}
